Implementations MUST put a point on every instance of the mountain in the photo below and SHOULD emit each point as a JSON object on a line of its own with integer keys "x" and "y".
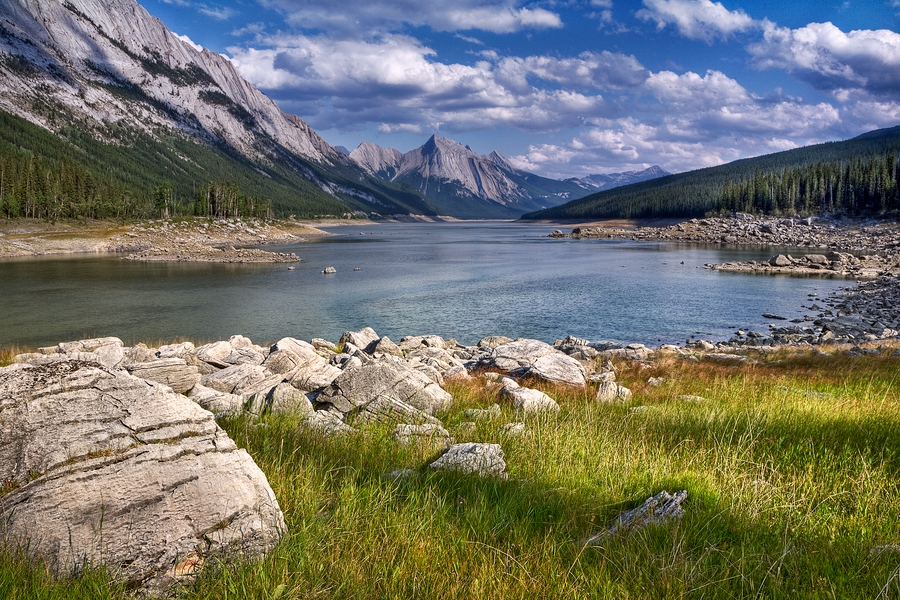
{"x": 463, "y": 183}
{"x": 614, "y": 180}
{"x": 854, "y": 177}
{"x": 110, "y": 78}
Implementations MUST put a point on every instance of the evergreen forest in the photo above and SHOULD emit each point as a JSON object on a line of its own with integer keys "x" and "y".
{"x": 854, "y": 177}
{"x": 135, "y": 175}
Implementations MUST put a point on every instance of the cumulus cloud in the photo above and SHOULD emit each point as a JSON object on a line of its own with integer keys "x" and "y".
{"x": 189, "y": 42}
{"x": 697, "y": 19}
{"x": 831, "y": 60}
{"x": 220, "y": 13}
{"x": 363, "y": 17}
{"x": 396, "y": 80}
{"x": 690, "y": 121}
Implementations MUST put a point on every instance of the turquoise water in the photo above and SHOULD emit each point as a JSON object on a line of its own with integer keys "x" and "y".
{"x": 457, "y": 280}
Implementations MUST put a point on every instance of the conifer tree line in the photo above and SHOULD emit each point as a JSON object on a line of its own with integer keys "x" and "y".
{"x": 861, "y": 185}
{"x": 859, "y": 176}
{"x": 37, "y": 188}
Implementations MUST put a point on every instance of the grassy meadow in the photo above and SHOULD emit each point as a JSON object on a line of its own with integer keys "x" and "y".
{"x": 791, "y": 468}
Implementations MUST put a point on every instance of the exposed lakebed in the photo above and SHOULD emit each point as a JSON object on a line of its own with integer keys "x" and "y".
{"x": 457, "y": 280}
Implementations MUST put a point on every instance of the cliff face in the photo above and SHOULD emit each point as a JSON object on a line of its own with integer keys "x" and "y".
{"x": 112, "y": 66}
{"x": 112, "y": 62}
{"x": 464, "y": 183}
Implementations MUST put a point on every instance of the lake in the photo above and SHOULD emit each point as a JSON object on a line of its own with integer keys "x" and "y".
{"x": 457, "y": 280}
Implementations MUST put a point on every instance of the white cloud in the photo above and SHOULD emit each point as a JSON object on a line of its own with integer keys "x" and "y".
{"x": 366, "y": 17}
{"x": 189, "y": 42}
{"x": 697, "y": 19}
{"x": 833, "y": 61}
{"x": 397, "y": 81}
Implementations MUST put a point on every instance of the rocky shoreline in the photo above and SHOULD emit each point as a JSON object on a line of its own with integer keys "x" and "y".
{"x": 230, "y": 240}
{"x": 855, "y": 236}
{"x": 856, "y": 250}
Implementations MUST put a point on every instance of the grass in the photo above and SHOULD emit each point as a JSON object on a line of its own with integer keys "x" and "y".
{"x": 792, "y": 469}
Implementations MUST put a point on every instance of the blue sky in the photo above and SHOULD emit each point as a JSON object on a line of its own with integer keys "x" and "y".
{"x": 567, "y": 87}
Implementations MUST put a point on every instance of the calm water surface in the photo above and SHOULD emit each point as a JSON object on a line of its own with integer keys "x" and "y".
{"x": 457, "y": 280}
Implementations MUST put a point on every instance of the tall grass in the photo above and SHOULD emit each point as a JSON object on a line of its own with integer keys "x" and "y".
{"x": 791, "y": 468}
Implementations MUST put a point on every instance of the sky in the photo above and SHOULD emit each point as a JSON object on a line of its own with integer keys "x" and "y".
{"x": 566, "y": 88}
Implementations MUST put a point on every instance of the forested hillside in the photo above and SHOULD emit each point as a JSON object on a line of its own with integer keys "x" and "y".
{"x": 44, "y": 175}
{"x": 857, "y": 176}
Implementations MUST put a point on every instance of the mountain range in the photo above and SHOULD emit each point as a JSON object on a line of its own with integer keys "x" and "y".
{"x": 128, "y": 101}
{"x": 111, "y": 73}
{"x": 466, "y": 184}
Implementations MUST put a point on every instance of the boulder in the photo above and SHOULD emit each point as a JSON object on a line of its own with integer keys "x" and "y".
{"x": 360, "y": 339}
{"x": 109, "y": 350}
{"x": 216, "y": 402}
{"x": 326, "y": 423}
{"x": 473, "y": 459}
{"x": 243, "y": 380}
{"x": 610, "y": 391}
{"x": 656, "y": 509}
{"x": 415, "y": 342}
{"x": 285, "y": 398}
{"x": 214, "y": 354}
{"x": 301, "y": 365}
{"x": 493, "y": 341}
{"x": 388, "y": 409}
{"x": 383, "y": 346}
{"x": 478, "y": 414}
{"x": 527, "y": 400}
{"x": 137, "y": 354}
{"x": 116, "y": 471}
{"x": 430, "y": 433}
{"x": 357, "y": 387}
{"x": 533, "y": 358}
{"x": 173, "y": 372}
{"x": 780, "y": 261}
{"x": 176, "y": 350}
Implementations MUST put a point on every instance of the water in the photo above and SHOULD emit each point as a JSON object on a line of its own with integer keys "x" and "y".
{"x": 458, "y": 280}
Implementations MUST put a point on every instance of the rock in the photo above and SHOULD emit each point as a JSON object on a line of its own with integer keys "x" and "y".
{"x": 399, "y": 475}
{"x": 512, "y": 429}
{"x": 360, "y": 386}
{"x": 537, "y": 359}
{"x": 109, "y": 350}
{"x": 214, "y": 354}
{"x": 243, "y": 380}
{"x": 817, "y": 259}
{"x": 457, "y": 373}
{"x": 415, "y": 342}
{"x": 780, "y": 261}
{"x": 383, "y": 346}
{"x": 117, "y": 471}
{"x": 473, "y": 459}
{"x": 329, "y": 270}
{"x": 610, "y": 391}
{"x": 326, "y": 423}
{"x": 601, "y": 377}
{"x": 244, "y": 356}
{"x": 300, "y": 364}
{"x": 320, "y": 344}
{"x": 137, "y": 354}
{"x": 360, "y": 339}
{"x": 388, "y": 409}
{"x": 527, "y": 400}
{"x": 216, "y": 402}
{"x": 690, "y": 398}
{"x": 173, "y": 372}
{"x": 493, "y": 341}
{"x": 483, "y": 413}
{"x": 431, "y": 433}
{"x": 657, "y": 509}
{"x": 655, "y": 381}
{"x": 285, "y": 398}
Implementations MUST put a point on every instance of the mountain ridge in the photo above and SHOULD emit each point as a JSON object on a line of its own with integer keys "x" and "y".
{"x": 469, "y": 185}
{"x": 111, "y": 68}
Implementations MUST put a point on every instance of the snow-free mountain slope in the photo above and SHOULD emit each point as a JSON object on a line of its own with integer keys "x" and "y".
{"x": 111, "y": 67}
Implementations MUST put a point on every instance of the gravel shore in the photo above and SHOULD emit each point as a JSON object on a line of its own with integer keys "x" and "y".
{"x": 172, "y": 240}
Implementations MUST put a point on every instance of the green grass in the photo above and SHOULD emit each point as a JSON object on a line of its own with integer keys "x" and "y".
{"x": 792, "y": 469}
